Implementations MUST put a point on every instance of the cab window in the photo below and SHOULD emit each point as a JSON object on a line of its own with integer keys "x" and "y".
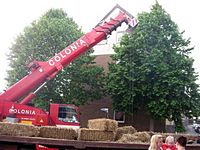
{"x": 68, "y": 114}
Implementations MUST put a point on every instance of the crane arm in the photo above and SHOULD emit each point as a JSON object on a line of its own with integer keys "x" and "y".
{"x": 41, "y": 72}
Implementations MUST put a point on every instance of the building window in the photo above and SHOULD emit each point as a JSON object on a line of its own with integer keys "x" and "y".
{"x": 119, "y": 36}
{"x": 119, "y": 116}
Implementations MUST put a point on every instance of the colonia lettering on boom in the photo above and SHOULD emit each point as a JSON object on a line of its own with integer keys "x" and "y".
{"x": 73, "y": 47}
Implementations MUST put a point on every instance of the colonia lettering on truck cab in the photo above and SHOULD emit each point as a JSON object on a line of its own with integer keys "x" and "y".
{"x": 12, "y": 110}
{"x": 73, "y": 47}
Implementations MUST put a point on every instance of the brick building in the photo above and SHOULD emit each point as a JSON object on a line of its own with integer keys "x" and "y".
{"x": 103, "y": 108}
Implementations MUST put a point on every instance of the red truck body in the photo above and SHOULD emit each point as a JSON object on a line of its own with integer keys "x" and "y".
{"x": 63, "y": 115}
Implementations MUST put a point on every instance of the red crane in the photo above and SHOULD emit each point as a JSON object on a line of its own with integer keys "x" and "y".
{"x": 41, "y": 72}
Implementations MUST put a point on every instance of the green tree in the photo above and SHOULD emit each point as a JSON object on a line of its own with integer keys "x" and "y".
{"x": 152, "y": 69}
{"x": 81, "y": 81}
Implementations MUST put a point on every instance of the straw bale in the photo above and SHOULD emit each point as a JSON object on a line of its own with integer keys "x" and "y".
{"x": 143, "y": 137}
{"x": 124, "y": 130}
{"x": 103, "y": 124}
{"x": 15, "y": 129}
{"x": 138, "y": 137}
{"x": 58, "y": 133}
{"x": 190, "y": 137}
{"x": 128, "y": 138}
{"x": 95, "y": 135}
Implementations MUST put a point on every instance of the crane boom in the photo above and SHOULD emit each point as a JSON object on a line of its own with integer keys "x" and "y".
{"x": 41, "y": 72}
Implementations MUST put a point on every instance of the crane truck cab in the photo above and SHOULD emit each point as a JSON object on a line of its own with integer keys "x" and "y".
{"x": 61, "y": 115}
{"x": 65, "y": 115}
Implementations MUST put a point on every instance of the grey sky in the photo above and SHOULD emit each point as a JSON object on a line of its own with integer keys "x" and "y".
{"x": 15, "y": 15}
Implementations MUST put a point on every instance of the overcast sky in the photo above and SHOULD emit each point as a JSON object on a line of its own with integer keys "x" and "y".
{"x": 17, "y": 14}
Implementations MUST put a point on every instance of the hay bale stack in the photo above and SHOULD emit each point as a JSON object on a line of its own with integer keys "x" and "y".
{"x": 189, "y": 137}
{"x": 103, "y": 124}
{"x": 95, "y": 135}
{"x": 144, "y": 137}
{"x": 124, "y": 130}
{"x": 164, "y": 135}
{"x": 138, "y": 137}
{"x": 59, "y": 133}
{"x": 15, "y": 129}
{"x": 128, "y": 138}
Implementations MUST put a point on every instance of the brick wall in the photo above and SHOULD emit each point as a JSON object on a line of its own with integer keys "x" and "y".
{"x": 140, "y": 120}
{"x": 91, "y": 110}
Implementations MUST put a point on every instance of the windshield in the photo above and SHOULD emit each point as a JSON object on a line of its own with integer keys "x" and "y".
{"x": 68, "y": 114}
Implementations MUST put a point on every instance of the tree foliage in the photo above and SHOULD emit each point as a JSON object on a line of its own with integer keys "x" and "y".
{"x": 81, "y": 81}
{"x": 153, "y": 69}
